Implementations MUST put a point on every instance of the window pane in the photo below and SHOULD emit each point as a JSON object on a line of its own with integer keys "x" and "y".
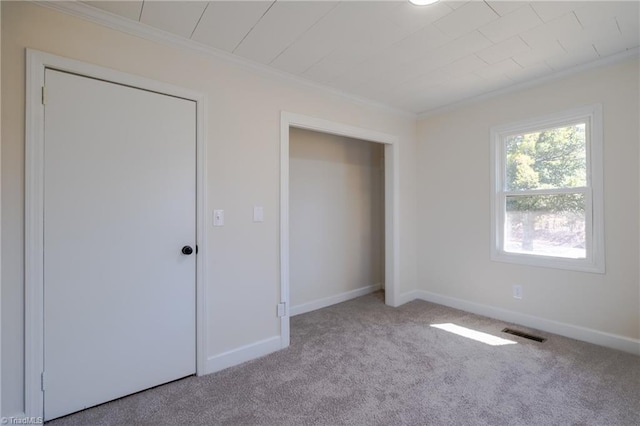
{"x": 553, "y": 158}
{"x": 547, "y": 225}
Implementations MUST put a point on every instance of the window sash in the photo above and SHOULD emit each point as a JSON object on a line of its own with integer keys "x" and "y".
{"x": 503, "y": 136}
{"x": 588, "y": 226}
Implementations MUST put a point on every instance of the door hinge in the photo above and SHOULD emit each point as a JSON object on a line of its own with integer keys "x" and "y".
{"x": 282, "y": 309}
{"x": 42, "y": 380}
{"x": 44, "y": 95}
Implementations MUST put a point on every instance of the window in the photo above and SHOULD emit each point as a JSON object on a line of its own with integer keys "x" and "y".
{"x": 547, "y": 201}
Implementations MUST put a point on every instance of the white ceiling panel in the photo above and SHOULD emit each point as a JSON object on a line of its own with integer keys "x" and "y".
{"x": 225, "y": 23}
{"x": 333, "y": 66}
{"x": 572, "y": 58}
{"x": 408, "y": 57}
{"x": 462, "y": 66}
{"x": 367, "y": 47}
{"x": 413, "y": 18}
{"x": 595, "y": 12}
{"x": 457, "y": 49}
{"x": 415, "y": 46}
{"x": 530, "y": 73}
{"x": 550, "y": 10}
{"x": 369, "y": 43}
{"x": 499, "y": 69}
{"x": 438, "y": 58}
{"x": 628, "y": 23}
{"x": 344, "y": 22}
{"x": 283, "y": 24}
{"x": 625, "y": 9}
{"x": 466, "y": 19}
{"x": 627, "y": 40}
{"x": 591, "y": 34}
{"x": 353, "y": 82}
{"x": 309, "y": 49}
{"x": 455, "y": 4}
{"x": 424, "y": 82}
{"x": 178, "y": 18}
{"x": 428, "y": 98}
{"x": 503, "y": 7}
{"x": 501, "y": 51}
{"x": 382, "y": 34}
{"x": 511, "y": 24}
{"x": 539, "y": 54}
{"x": 126, "y": 9}
{"x": 492, "y": 83}
{"x": 562, "y": 27}
{"x": 437, "y": 95}
{"x": 377, "y": 71}
{"x": 427, "y": 92}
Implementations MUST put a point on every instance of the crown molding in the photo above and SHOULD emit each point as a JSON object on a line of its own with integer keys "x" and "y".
{"x": 602, "y": 62}
{"x": 138, "y": 29}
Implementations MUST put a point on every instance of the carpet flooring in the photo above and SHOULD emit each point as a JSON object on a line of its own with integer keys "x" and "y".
{"x": 363, "y": 363}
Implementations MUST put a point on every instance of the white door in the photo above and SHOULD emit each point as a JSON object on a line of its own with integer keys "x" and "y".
{"x": 119, "y": 206}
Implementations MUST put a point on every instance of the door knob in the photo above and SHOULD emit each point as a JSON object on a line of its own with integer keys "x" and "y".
{"x": 187, "y": 250}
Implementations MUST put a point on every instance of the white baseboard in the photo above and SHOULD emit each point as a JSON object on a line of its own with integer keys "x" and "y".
{"x": 601, "y": 338}
{"x": 243, "y": 354}
{"x": 332, "y": 300}
{"x": 409, "y": 296}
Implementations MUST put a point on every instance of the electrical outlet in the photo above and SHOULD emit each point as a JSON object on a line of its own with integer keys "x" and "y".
{"x": 517, "y": 291}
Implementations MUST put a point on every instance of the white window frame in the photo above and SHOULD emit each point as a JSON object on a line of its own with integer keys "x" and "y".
{"x": 593, "y": 191}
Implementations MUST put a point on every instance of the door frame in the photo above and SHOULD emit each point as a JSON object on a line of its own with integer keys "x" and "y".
{"x": 37, "y": 63}
{"x": 391, "y": 203}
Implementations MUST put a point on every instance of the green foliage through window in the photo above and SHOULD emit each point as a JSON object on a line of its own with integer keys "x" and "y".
{"x": 550, "y": 159}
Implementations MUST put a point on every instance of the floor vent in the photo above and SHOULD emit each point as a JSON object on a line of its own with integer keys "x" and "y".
{"x": 523, "y": 334}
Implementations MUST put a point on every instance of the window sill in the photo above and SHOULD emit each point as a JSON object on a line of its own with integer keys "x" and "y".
{"x": 579, "y": 265}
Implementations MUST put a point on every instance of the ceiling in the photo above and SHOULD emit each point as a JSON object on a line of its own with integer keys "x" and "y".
{"x": 416, "y": 59}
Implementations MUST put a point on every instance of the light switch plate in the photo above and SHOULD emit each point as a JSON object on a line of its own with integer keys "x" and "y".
{"x": 218, "y": 218}
{"x": 258, "y": 214}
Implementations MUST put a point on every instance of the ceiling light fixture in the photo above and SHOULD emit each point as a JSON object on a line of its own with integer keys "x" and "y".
{"x": 422, "y": 2}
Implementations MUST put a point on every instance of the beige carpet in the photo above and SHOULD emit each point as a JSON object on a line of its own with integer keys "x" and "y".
{"x": 363, "y": 363}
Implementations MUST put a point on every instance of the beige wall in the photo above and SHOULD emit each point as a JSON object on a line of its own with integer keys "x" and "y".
{"x": 336, "y": 215}
{"x": 454, "y": 207}
{"x": 243, "y": 170}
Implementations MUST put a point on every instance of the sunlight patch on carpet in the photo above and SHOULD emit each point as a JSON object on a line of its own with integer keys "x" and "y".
{"x": 473, "y": 334}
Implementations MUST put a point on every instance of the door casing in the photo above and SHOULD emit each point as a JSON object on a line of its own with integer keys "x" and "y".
{"x": 37, "y": 63}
